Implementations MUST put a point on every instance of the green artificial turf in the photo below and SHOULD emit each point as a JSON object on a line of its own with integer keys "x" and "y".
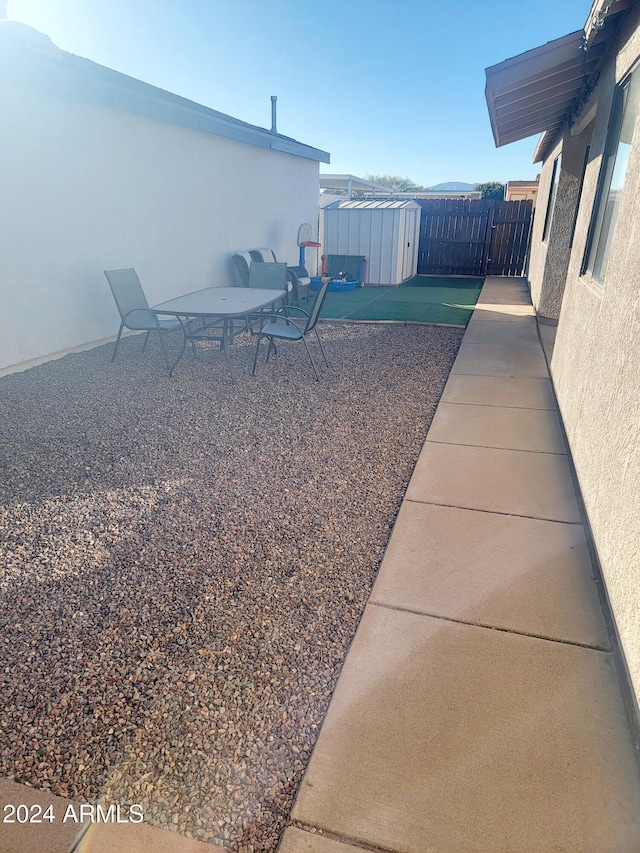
{"x": 425, "y": 299}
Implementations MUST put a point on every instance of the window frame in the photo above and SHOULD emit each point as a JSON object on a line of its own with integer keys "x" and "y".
{"x": 585, "y": 163}
{"x": 551, "y": 201}
{"x": 594, "y": 266}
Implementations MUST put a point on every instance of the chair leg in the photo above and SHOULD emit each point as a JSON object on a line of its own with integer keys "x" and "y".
{"x": 272, "y": 346}
{"x": 146, "y": 340}
{"x": 324, "y": 355}
{"x": 164, "y": 351}
{"x": 113, "y": 357}
{"x": 313, "y": 364}
{"x": 255, "y": 357}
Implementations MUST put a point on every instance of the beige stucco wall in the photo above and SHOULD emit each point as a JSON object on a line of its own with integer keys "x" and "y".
{"x": 596, "y": 372}
{"x": 550, "y": 258}
{"x": 521, "y": 194}
{"x": 539, "y": 249}
{"x": 87, "y": 188}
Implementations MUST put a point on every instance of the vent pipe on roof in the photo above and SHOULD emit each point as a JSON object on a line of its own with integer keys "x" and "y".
{"x": 274, "y": 99}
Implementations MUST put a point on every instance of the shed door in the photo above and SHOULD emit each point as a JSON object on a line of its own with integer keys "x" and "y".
{"x": 408, "y": 246}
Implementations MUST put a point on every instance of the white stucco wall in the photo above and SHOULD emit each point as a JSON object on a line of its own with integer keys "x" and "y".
{"x": 87, "y": 188}
{"x": 596, "y": 370}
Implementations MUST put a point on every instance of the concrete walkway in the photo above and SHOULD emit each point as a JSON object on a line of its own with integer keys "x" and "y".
{"x": 479, "y": 707}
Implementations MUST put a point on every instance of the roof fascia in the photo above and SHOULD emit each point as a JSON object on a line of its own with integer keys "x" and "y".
{"x": 96, "y": 83}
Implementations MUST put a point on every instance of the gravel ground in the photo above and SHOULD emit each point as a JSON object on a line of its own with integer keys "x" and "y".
{"x": 183, "y": 564}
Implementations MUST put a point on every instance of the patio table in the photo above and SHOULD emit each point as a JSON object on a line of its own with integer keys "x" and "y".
{"x": 217, "y": 303}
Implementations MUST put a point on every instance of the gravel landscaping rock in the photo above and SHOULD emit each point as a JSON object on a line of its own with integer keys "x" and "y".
{"x": 183, "y": 564}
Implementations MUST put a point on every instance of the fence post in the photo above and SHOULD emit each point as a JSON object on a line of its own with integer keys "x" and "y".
{"x": 488, "y": 240}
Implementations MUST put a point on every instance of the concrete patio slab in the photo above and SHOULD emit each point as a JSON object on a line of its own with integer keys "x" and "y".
{"x": 510, "y": 391}
{"x": 298, "y": 841}
{"x": 491, "y": 426}
{"x": 458, "y": 739}
{"x": 506, "y": 285}
{"x": 138, "y": 838}
{"x": 516, "y": 574}
{"x": 511, "y": 296}
{"x": 488, "y": 314}
{"x": 537, "y": 485}
{"x": 495, "y": 332}
{"x": 61, "y": 835}
{"x": 500, "y": 360}
{"x": 48, "y": 836}
{"x": 504, "y": 312}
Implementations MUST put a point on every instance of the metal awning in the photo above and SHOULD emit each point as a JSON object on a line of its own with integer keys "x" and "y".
{"x": 352, "y": 184}
{"x": 536, "y": 91}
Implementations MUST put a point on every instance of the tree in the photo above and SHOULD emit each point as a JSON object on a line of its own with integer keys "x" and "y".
{"x": 491, "y": 189}
{"x": 396, "y": 183}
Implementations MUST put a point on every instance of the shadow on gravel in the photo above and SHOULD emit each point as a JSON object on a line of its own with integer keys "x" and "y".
{"x": 185, "y": 562}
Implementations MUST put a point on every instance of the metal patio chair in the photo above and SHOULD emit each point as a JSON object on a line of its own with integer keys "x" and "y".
{"x": 281, "y": 327}
{"x": 264, "y": 256}
{"x": 272, "y": 276}
{"x": 134, "y": 310}
{"x": 299, "y": 280}
{"x": 242, "y": 262}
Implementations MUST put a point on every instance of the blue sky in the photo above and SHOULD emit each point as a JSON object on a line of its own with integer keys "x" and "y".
{"x": 384, "y": 87}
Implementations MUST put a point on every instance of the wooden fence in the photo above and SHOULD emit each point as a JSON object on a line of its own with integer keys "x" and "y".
{"x": 473, "y": 237}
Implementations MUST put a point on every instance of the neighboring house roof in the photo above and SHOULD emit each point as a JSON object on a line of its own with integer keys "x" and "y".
{"x": 30, "y": 56}
{"x": 537, "y": 91}
{"x": 443, "y": 194}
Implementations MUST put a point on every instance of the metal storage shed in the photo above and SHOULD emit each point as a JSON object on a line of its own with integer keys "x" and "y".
{"x": 387, "y": 232}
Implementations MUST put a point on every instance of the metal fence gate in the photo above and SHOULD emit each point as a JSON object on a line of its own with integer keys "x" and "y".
{"x": 473, "y": 236}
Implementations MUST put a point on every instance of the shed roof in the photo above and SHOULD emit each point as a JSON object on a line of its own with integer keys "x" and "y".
{"x": 535, "y": 92}
{"x": 30, "y": 56}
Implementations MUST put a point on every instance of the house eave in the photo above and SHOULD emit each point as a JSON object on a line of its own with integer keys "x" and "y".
{"x": 66, "y": 73}
{"x": 539, "y": 91}
{"x": 540, "y": 75}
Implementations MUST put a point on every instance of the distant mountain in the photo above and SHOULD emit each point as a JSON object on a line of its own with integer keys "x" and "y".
{"x": 453, "y": 185}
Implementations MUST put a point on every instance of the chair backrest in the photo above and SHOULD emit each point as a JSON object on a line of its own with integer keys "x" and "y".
{"x": 314, "y": 314}
{"x": 242, "y": 262}
{"x": 129, "y": 297}
{"x": 267, "y": 256}
{"x": 271, "y": 276}
{"x": 301, "y": 272}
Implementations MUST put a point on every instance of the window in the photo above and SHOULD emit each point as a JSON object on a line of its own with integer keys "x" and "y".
{"x": 575, "y": 215}
{"x": 612, "y": 175}
{"x": 555, "y": 177}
